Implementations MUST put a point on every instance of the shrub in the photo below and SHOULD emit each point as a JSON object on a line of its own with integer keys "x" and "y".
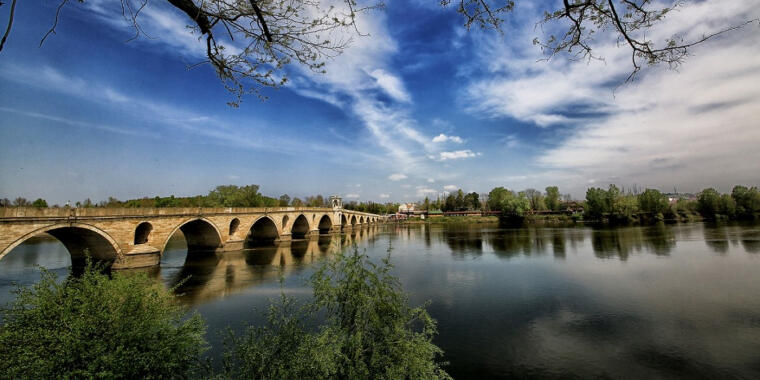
{"x": 369, "y": 331}
{"x": 93, "y": 326}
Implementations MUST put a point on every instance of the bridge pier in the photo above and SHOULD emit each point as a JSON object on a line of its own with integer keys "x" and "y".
{"x": 141, "y": 256}
{"x": 283, "y": 237}
{"x": 234, "y": 245}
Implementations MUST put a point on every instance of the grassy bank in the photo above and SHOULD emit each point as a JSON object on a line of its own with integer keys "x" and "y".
{"x": 552, "y": 219}
{"x": 453, "y": 219}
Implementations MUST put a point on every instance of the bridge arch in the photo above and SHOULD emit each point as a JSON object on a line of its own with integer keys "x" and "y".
{"x": 300, "y": 227}
{"x": 201, "y": 234}
{"x": 234, "y": 225}
{"x": 343, "y": 221}
{"x": 325, "y": 224}
{"x": 142, "y": 233}
{"x": 77, "y": 238}
{"x": 263, "y": 231}
{"x": 285, "y": 221}
{"x": 353, "y": 220}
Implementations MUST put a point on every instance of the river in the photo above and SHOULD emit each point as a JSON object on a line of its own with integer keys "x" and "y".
{"x": 665, "y": 301}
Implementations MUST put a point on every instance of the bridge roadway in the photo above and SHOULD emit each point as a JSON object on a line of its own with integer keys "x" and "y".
{"x": 136, "y": 237}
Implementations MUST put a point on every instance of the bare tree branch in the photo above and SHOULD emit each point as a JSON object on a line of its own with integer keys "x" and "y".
{"x": 55, "y": 23}
{"x": 10, "y": 24}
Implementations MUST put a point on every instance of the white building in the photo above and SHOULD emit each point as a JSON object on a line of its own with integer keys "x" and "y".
{"x": 407, "y": 207}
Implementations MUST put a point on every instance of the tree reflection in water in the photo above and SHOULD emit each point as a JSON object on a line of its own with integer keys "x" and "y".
{"x": 200, "y": 277}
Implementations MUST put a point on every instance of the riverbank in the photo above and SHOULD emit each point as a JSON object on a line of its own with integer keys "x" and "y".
{"x": 529, "y": 219}
{"x": 549, "y": 219}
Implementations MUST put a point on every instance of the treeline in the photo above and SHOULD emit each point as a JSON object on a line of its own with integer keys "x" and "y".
{"x": 372, "y": 207}
{"x": 499, "y": 199}
{"x": 610, "y": 205}
{"x": 221, "y": 196}
{"x": 616, "y": 206}
{"x": 456, "y": 201}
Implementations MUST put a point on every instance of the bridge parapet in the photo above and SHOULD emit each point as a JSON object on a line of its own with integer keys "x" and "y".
{"x": 135, "y": 237}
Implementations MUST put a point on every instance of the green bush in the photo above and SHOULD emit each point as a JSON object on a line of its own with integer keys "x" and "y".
{"x": 368, "y": 332}
{"x": 93, "y": 326}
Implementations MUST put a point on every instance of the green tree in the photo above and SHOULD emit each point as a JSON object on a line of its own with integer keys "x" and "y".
{"x": 460, "y": 205}
{"x": 653, "y": 201}
{"x": 747, "y": 201}
{"x": 93, "y": 326}
{"x": 708, "y": 203}
{"x": 451, "y": 203}
{"x": 515, "y": 204}
{"x": 536, "y": 199}
{"x": 495, "y": 198}
{"x": 727, "y": 206}
{"x": 370, "y": 331}
{"x": 552, "y": 198}
{"x": 596, "y": 203}
{"x": 40, "y": 203}
{"x": 472, "y": 201}
{"x": 284, "y": 200}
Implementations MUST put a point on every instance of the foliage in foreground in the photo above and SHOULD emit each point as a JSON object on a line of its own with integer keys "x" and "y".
{"x": 94, "y": 326}
{"x": 369, "y": 330}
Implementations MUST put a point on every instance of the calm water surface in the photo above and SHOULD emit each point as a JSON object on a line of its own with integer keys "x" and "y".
{"x": 675, "y": 301}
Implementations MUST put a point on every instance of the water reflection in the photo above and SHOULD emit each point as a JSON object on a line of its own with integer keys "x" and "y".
{"x": 659, "y": 301}
{"x": 201, "y": 277}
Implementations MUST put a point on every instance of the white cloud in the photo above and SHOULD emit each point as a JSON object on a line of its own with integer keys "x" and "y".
{"x": 352, "y": 195}
{"x": 696, "y": 128}
{"x": 443, "y": 138}
{"x": 450, "y": 187}
{"x": 161, "y": 117}
{"x": 455, "y": 155}
{"x": 430, "y": 180}
{"x": 690, "y": 128}
{"x": 385, "y": 196}
{"x": 511, "y": 142}
{"x": 423, "y": 191}
{"x": 391, "y": 85}
{"x": 397, "y": 176}
{"x": 566, "y": 91}
{"x": 351, "y": 80}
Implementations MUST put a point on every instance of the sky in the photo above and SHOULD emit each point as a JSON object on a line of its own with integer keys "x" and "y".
{"x": 417, "y": 107}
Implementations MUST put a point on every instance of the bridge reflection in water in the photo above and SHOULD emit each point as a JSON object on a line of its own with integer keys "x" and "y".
{"x": 203, "y": 276}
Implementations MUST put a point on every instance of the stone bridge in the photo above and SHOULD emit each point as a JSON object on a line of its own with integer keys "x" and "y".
{"x": 136, "y": 237}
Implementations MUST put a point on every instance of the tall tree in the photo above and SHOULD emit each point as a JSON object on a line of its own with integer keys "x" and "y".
{"x": 708, "y": 203}
{"x": 747, "y": 200}
{"x": 496, "y": 197}
{"x": 653, "y": 201}
{"x": 40, "y": 203}
{"x": 536, "y": 199}
{"x": 552, "y": 198}
{"x": 460, "y": 200}
{"x": 472, "y": 201}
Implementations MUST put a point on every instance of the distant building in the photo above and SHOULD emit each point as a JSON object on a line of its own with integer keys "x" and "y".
{"x": 406, "y": 208}
{"x": 675, "y": 197}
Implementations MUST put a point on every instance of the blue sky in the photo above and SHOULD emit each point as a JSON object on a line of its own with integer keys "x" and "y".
{"x": 417, "y": 108}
